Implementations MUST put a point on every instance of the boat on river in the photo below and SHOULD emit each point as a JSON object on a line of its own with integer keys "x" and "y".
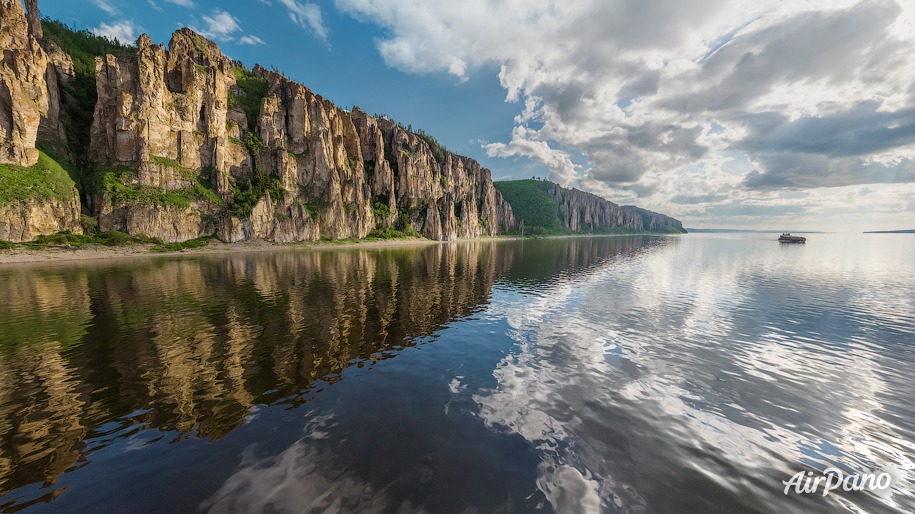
{"x": 788, "y": 238}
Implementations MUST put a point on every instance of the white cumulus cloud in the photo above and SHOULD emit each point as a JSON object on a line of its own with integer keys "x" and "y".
{"x": 717, "y": 99}
{"x": 308, "y": 16}
{"x": 223, "y": 27}
{"x": 250, "y": 40}
{"x": 106, "y": 6}
{"x": 123, "y": 31}
{"x": 219, "y": 25}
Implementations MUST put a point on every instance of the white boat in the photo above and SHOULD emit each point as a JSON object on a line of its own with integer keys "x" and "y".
{"x": 788, "y": 238}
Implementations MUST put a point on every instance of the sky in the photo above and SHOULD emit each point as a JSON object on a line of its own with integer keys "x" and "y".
{"x": 723, "y": 113}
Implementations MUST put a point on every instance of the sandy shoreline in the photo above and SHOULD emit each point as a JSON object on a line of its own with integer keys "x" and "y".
{"x": 94, "y": 252}
{"x": 100, "y": 252}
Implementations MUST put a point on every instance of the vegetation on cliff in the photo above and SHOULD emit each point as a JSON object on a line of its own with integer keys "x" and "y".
{"x": 545, "y": 208}
{"x": 68, "y": 239}
{"x": 46, "y": 180}
{"x": 79, "y": 92}
{"x": 532, "y": 205}
{"x": 115, "y": 184}
{"x": 182, "y": 142}
{"x": 190, "y": 244}
{"x": 252, "y": 91}
{"x": 250, "y": 191}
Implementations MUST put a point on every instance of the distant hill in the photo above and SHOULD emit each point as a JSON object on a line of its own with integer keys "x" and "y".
{"x": 549, "y": 209}
{"x": 891, "y": 232}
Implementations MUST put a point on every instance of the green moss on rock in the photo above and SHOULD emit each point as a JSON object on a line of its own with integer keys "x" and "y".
{"x": 46, "y": 180}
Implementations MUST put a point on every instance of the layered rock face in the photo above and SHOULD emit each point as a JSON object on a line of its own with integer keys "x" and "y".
{"x": 585, "y": 212}
{"x": 27, "y": 219}
{"x": 29, "y": 106}
{"x": 24, "y": 94}
{"x": 656, "y": 222}
{"x": 185, "y": 142}
{"x": 189, "y": 117}
{"x": 442, "y": 195}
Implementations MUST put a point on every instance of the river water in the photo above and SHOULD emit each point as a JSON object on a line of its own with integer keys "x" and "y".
{"x": 684, "y": 374}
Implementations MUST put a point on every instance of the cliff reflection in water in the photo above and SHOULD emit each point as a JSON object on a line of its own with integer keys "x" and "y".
{"x": 195, "y": 343}
{"x": 188, "y": 346}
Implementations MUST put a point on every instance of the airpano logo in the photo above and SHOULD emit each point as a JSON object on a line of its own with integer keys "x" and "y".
{"x": 833, "y": 479}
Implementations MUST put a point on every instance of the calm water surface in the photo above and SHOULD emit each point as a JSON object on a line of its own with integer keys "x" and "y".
{"x": 616, "y": 374}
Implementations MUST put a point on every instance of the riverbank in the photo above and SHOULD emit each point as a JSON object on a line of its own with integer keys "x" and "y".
{"x": 96, "y": 252}
{"x": 90, "y": 252}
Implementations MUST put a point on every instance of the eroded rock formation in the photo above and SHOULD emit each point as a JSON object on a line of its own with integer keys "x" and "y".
{"x": 585, "y": 212}
{"x": 24, "y": 220}
{"x": 23, "y": 88}
{"x": 189, "y": 117}
{"x": 185, "y": 142}
{"x": 29, "y": 106}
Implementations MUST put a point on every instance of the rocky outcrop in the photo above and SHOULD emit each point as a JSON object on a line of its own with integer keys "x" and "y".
{"x": 34, "y": 18}
{"x": 52, "y": 127}
{"x": 23, "y": 88}
{"x": 656, "y": 222}
{"x": 157, "y": 111}
{"x": 169, "y": 223}
{"x": 442, "y": 195}
{"x": 38, "y": 199}
{"x": 25, "y": 220}
{"x": 579, "y": 211}
{"x": 185, "y": 142}
{"x": 172, "y": 116}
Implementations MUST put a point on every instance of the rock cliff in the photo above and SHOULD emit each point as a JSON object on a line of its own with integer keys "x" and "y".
{"x": 25, "y": 220}
{"x": 36, "y": 195}
{"x": 23, "y": 88}
{"x": 256, "y": 155}
{"x": 544, "y": 207}
{"x": 580, "y": 211}
{"x": 656, "y": 222}
{"x": 181, "y": 142}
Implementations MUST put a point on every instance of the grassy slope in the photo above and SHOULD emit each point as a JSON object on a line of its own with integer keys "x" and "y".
{"x": 531, "y": 203}
{"x": 46, "y": 180}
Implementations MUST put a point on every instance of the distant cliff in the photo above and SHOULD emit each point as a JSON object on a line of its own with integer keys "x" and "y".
{"x": 182, "y": 142}
{"x": 543, "y": 207}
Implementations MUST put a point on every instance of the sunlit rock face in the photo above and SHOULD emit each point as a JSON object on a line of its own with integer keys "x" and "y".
{"x": 29, "y": 218}
{"x": 190, "y": 115}
{"x": 23, "y": 88}
{"x": 186, "y": 143}
{"x": 29, "y": 108}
